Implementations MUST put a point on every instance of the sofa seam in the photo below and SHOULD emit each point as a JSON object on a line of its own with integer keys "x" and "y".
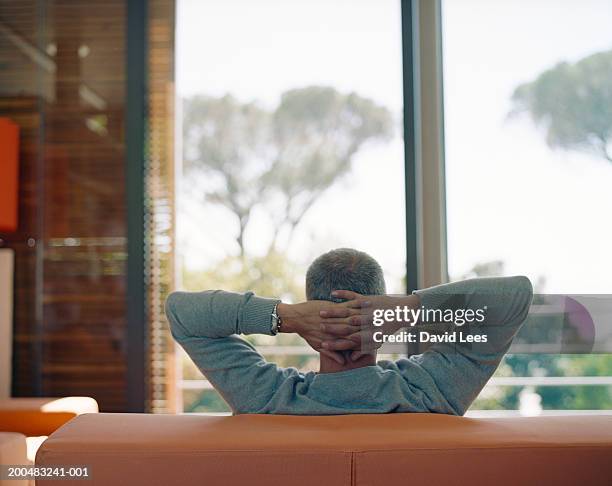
{"x": 494, "y": 448}
{"x": 196, "y": 452}
{"x": 352, "y": 453}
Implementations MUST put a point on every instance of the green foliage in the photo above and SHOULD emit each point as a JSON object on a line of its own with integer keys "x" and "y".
{"x": 272, "y": 275}
{"x": 241, "y": 156}
{"x": 573, "y": 102}
{"x": 204, "y": 401}
{"x": 553, "y": 397}
{"x": 587, "y": 397}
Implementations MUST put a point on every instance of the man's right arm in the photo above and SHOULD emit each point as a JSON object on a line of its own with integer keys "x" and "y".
{"x": 503, "y": 303}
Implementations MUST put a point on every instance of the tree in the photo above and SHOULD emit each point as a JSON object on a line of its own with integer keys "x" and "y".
{"x": 573, "y": 102}
{"x": 243, "y": 155}
{"x": 269, "y": 275}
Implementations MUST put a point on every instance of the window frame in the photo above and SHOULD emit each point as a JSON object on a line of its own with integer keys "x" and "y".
{"x": 426, "y": 244}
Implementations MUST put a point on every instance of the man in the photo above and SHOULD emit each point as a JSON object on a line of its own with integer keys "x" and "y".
{"x": 444, "y": 379}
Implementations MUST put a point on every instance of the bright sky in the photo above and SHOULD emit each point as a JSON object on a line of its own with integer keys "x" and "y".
{"x": 509, "y": 196}
{"x": 256, "y": 51}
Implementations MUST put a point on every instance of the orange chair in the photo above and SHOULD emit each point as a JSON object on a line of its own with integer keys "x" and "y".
{"x": 41, "y": 416}
{"x": 36, "y": 418}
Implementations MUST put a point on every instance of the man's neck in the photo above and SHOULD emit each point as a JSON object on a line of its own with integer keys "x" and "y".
{"x": 328, "y": 365}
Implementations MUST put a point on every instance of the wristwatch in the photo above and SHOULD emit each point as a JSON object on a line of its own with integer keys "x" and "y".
{"x": 276, "y": 321}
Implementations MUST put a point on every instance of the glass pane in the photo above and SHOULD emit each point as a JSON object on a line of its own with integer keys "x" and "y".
{"x": 62, "y": 81}
{"x": 199, "y": 401}
{"x": 292, "y": 144}
{"x": 528, "y": 128}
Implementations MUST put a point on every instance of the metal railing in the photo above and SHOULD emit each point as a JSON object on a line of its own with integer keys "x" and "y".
{"x": 496, "y": 381}
{"x": 493, "y": 382}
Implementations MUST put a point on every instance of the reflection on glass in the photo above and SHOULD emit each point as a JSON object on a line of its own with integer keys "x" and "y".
{"x": 62, "y": 80}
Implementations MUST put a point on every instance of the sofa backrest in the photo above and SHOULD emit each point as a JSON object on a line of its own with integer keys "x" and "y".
{"x": 395, "y": 449}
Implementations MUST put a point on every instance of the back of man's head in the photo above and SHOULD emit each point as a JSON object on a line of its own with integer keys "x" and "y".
{"x": 344, "y": 269}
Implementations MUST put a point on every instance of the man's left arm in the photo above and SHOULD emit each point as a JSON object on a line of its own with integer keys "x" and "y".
{"x": 458, "y": 370}
{"x": 461, "y": 369}
{"x": 207, "y": 324}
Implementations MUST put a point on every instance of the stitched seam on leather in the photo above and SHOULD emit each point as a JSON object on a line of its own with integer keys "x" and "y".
{"x": 490, "y": 448}
{"x": 324, "y": 451}
{"x": 320, "y": 452}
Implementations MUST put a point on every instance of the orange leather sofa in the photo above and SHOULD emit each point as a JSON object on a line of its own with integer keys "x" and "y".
{"x": 355, "y": 450}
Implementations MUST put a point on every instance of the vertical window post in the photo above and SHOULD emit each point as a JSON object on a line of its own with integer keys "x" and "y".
{"x": 424, "y": 144}
{"x": 135, "y": 193}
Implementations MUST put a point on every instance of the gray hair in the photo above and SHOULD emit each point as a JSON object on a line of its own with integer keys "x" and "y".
{"x": 344, "y": 269}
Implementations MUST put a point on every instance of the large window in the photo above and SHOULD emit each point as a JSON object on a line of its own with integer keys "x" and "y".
{"x": 292, "y": 119}
{"x": 292, "y": 146}
{"x": 528, "y": 128}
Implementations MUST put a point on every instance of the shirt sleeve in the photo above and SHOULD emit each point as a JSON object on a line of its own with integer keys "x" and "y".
{"x": 206, "y": 324}
{"x": 461, "y": 369}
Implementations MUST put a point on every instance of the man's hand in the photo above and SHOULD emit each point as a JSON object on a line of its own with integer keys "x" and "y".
{"x": 304, "y": 319}
{"x": 351, "y": 322}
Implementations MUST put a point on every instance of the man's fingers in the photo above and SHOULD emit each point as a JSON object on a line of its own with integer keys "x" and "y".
{"x": 337, "y": 329}
{"x": 353, "y": 317}
{"x": 349, "y": 308}
{"x": 359, "y": 320}
{"x": 365, "y": 340}
{"x": 334, "y": 321}
{"x": 361, "y": 304}
{"x": 339, "y": 345}
{"x": 335, "y": 356}
{"x": 345, "y": 294}
{"x": 355, "y": 355}
{"x": 338, "y": 312}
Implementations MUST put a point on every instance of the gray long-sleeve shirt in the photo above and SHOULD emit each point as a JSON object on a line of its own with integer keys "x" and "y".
{"x": 444, "y": 379}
